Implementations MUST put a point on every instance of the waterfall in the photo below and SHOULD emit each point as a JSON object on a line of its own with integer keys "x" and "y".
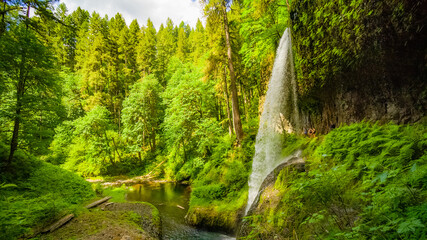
{"x": 280, "y": 114}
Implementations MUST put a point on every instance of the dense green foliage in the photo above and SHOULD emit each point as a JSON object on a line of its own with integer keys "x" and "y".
{"x": 363, "y": 181}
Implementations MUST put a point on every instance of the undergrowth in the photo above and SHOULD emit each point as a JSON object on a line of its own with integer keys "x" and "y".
{"x": 35, "y": 193}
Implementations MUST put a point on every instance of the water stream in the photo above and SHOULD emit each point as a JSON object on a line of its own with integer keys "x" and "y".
{"x": 280, "y": 114}
{"x": 170, "y": 198}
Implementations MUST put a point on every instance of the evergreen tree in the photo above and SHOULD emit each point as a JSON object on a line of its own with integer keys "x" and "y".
{"x": 146, "y": 50}
{"x": 115, "y": 66}
{"x": 182, "y": 50}
{"x": 198, "y": 43}
{"x": 166, "y": 45}
{"x": 128, "y": 43}
{"x": 94, "y": 62}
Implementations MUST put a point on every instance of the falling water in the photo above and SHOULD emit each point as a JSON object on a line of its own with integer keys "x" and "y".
{"x": 280, "y": 114}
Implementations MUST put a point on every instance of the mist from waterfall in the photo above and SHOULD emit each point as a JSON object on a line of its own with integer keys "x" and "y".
{"x": 280, "y": 113}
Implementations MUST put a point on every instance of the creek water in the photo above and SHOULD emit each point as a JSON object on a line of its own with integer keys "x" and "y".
{"x": 170, "y": 198}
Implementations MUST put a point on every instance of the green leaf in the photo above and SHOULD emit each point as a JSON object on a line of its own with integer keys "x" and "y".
{"x": 409, "y": 225}
{"x": 382, "y": 176}
{"x": 8, "y": 185}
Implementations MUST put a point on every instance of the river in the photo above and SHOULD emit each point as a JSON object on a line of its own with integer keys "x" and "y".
{"x": 172, "y": 200}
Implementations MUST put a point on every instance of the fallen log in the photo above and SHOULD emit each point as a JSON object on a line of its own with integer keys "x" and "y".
{"x": 94, "y": 204}
{"x": 58, "y": 224}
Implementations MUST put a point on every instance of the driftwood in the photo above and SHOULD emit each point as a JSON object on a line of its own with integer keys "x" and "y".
{"x": 59, "y": 223}
{"x": 94, "y": 204}
{"x": 180, "y": 206}
{"x": 149, "y": 174}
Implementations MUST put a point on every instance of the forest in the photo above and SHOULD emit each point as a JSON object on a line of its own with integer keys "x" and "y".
{"x": 91, "y": 97}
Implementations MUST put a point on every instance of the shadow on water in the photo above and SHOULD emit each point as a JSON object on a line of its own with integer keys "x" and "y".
{"x": 172, "y": 200}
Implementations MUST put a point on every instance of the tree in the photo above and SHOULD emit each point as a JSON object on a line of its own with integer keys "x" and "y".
{"x": 93, "y": 62}
{"x": 128, "y": 44}
{"x": 263, "y": 24}
{"x": 166, "y": 45}
{"x": 16, "y": 8}
{"x": 92, "y": 145}
{"x": 142, "y": 114}
{"x": 182, "y": 43}
{"x": 115, "y": 65}
{"x": 216, "y": 10}
{"x": 198, "y": 43}
{"x": 146, "y": 50}
{"x": 27, "y": 71}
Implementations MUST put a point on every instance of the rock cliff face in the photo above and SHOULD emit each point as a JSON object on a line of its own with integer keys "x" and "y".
{"x": 372, "y": 66}
{"x": 382, "y": 101}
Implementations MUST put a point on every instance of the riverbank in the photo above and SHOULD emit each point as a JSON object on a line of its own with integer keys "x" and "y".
{"x": 120, "y": 180}
{"x": 112, "y": 221}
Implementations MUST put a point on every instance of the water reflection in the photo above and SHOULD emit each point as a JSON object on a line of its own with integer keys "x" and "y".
{"x": 172, "y": 201}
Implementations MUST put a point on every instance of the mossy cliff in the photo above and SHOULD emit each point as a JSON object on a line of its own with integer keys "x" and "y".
{"x": 359, "y": 60}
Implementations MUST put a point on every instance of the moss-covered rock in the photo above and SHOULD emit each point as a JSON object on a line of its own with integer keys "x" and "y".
{"x": 150, "y": 217}
{"x": 213, "y": 218}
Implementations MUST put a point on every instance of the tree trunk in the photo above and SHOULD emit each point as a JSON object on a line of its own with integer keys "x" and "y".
{"x": 243, "y": 101}
{"x": 153, "y": 140}
{"x": 19, "y": 96}
{"x": 14, "y": 140}
{"x": 234, "y": 97}
{"x": 227, "y": 97}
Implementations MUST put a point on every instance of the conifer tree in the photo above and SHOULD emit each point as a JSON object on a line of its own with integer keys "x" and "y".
{"x": 166, "y": 45}
{"x": 115, "y": 65}
{"x": 94, "y": 61}
{"x": 198, "y": 42}
{"x": 128, "y": 43}
{"x": 146, "y": 50}
{"x": 182, "y": 43}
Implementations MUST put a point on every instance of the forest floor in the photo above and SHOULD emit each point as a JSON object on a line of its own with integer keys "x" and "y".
{"x": 119, "y": 221}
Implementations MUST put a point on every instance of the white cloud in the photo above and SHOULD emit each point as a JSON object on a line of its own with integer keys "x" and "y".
{"x": 157, "y": 10}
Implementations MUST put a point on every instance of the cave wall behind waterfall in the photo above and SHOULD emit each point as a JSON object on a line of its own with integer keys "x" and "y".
{"x": 360, "y": 60}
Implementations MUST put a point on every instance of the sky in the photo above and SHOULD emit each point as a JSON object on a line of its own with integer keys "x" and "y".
{"x": 157, "y": 10}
